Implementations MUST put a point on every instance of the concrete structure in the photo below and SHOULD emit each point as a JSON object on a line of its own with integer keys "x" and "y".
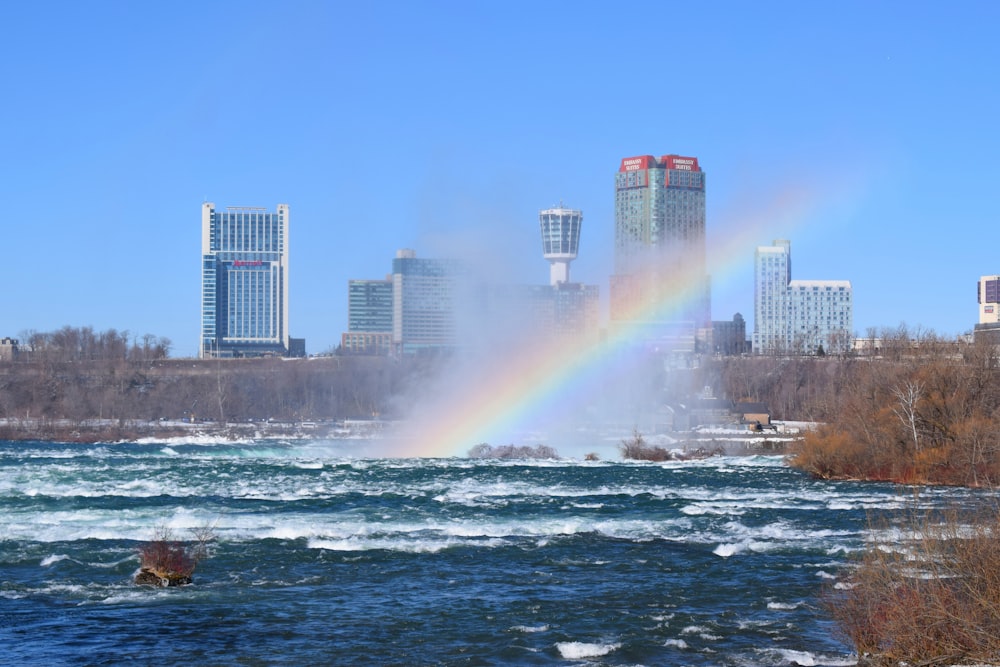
{"x": 660, "y": 279}
{"x": 560, "y": 240}
{"x": 8, "y": 349}
{"x": 988, "y": 291}
{"x": 988, "y": 327}
{"x": 244, "y": 301}
{"x": 798, "y": 316}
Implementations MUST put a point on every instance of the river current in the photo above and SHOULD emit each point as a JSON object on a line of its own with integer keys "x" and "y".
{"x": 327, "y": 557}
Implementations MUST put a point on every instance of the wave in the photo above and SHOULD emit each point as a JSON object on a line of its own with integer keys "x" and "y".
{"x": 582, "y": 650}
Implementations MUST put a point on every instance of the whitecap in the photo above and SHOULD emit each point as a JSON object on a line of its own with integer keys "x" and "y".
{"x": 531, "y": 628}
{"x": 54, "y": 558}
{"x": 727, "y": 550}
{"x": 783, "y": 605}
{"x": 578, "y": 650}
{"x": 807, "y": 659}
{"x": 676, "y": 643}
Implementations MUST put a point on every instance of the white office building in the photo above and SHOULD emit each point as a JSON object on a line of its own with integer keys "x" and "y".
{"x": 798, "y": 316}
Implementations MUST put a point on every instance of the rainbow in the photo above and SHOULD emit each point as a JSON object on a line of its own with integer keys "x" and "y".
{"x": 503, "y": 396}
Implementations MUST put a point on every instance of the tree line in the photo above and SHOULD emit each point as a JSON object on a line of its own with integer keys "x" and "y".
{"x": 75, "y": 376}
{"x": 913, "y": 407}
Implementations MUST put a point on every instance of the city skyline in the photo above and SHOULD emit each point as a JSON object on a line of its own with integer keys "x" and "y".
{"x": 839, "y": 127}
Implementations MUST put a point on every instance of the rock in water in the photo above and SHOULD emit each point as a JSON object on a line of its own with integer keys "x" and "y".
{"x": 148, "y": 577}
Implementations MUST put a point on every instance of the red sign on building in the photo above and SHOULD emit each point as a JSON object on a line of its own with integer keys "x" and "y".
{"x": 641, "y": 162}
{"x": 680, "y": 163}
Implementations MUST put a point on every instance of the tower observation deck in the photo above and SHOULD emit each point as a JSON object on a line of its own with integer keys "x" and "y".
{"x": 560, "y": 240}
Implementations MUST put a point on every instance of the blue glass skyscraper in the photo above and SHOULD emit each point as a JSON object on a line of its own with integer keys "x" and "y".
{"x": 244, "y": 282}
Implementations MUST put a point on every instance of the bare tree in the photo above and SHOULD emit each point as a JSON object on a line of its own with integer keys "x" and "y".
{"x": 908, "y": 396}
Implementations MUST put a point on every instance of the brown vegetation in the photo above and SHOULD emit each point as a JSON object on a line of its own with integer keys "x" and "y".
{"x": 924, "y": 410}
{"x": 932, "y": 598}
{"x": 486, "y": 451}
{"x": 637, "y": 449}
{"x": 165, "y": 561}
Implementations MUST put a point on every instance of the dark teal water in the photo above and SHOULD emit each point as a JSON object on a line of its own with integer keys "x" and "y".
{"x": 325, "y": 559}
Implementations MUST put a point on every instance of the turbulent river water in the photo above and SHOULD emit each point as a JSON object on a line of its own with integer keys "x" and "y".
{"x": 325, "y": 557}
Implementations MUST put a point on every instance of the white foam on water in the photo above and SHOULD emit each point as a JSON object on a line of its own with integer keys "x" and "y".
{"x": 418, "y": 546}
{"x": 676, "y": 643}
{"x": 727, "y": 550}
{"x": 808, "y": 658}
{"x": 784, "y": 606}
{"x": 581, "y": 650}
{"x": 54, "y": 558}
{"x": 530, "y": 629}
{"x": 702, "y": 509}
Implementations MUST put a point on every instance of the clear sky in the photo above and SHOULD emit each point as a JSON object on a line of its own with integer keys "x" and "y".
{"x": 864, "y": 132}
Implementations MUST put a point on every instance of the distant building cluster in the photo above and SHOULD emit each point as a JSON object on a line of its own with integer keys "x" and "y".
{"x": 660, "y": 288}
{"x": 439, "y": 304}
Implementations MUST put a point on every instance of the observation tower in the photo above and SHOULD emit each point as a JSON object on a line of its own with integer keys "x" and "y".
{"x": 560, "y": 240}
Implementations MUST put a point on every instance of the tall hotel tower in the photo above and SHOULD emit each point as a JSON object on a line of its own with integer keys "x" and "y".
{"x": 660, "y": 276}
{"x": 244, "y": 282}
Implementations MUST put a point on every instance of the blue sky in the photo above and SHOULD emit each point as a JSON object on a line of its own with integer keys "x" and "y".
{"x": 865, "y": 132}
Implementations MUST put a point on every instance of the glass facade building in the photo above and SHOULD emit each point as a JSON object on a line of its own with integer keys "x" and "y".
{"x": 798, "y": 316}
{"x": 369, "y": 306}
{"x": 659, "y": 256}
{"x": 244, "y": 282}
{"x": 426, "y": 302}
{"x": 369, "y": 317}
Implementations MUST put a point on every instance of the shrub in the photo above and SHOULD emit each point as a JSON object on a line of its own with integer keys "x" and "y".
{"x": 486, "y": 451}
{"x": 933, "y": 597}
{"x": 166, "y": 561}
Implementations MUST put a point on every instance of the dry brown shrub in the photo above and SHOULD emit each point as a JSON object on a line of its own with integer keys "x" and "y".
{"x": 169, "y": 558}
{"x": 934, "y": 595}
{"x": 829, "y": 453}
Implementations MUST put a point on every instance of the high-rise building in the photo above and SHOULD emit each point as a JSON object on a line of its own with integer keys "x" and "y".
{"x": 660, "y": 276}
{"x": 771, "y": 310}
{"x": 244, "y": 282}
{"x": 369, "y": 317}
{"x": 426, "y": 295}
{"x": 798, "y": 316}
{"x": 560, "y": 240}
